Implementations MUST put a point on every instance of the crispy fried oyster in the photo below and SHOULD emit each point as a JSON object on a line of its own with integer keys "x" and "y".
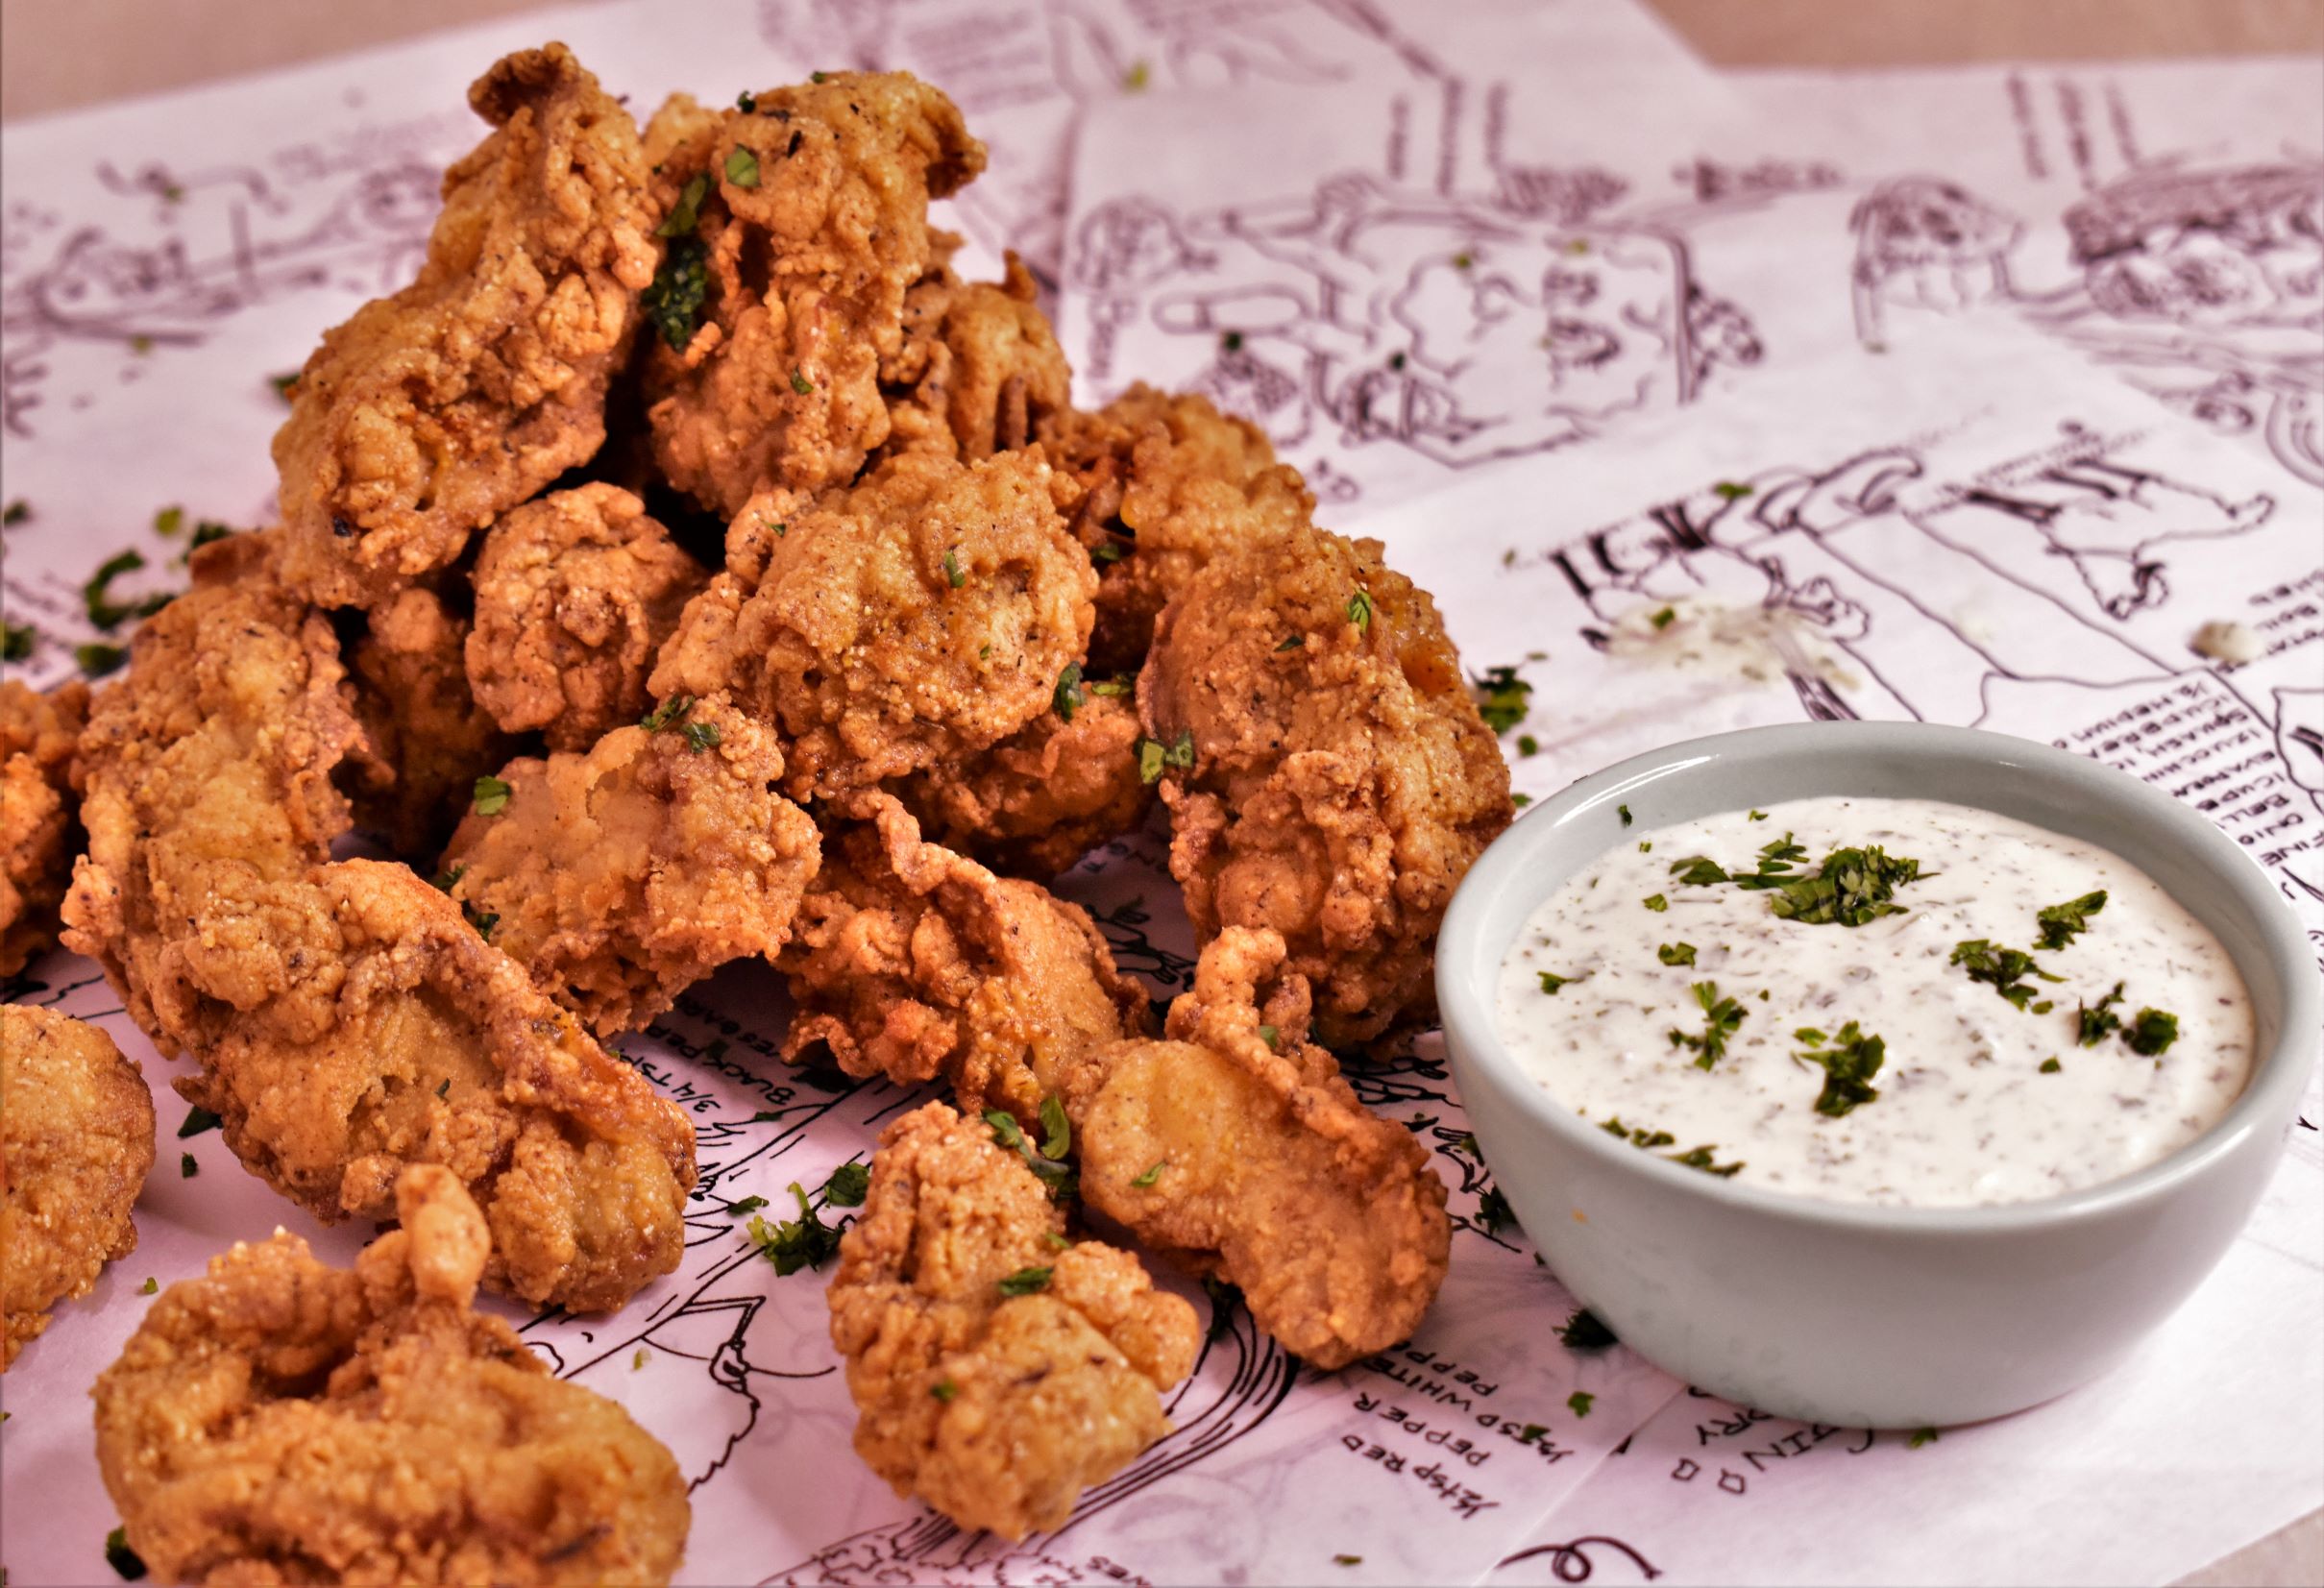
{"x": 980, "y": 370}
{"x": 1342, "y": 781}
{"x": 431, "y": 412}
{"x": 1254, "y": 1161}
{"x": 280, "y": 1421}
{"x": 574, "y": 592}
{"x": 782, "y": 294}
{"x": 911, "y": 961}
{"x": 76, "y": 1140}
{"x": 997, "y": 1375}
{"x": 346, "y": 1018}
{"x": 621, "y": 877}
{"x": 1156, "y": 486}
{"x": 37, "y": 820}
{"x": 429, "y": 739}
{"x": 1043, "y": 797}
{"x": 917, "y": 617}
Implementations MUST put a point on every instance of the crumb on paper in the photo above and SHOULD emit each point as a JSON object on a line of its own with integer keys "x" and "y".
{"x": 2224, "y": 640}
{"x": 1753, "y": 642}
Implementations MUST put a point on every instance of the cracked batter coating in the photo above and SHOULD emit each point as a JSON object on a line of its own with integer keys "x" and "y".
{"x": 999, "y": 1370}
{"x": 1045, "y": 796}
{"x": 279, "y": 1421}
{"x": 429, "y": 737}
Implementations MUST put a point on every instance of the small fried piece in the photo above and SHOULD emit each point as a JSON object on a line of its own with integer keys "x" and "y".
{"x": 346, "y": 1018}
{"x": 997, "y": 1375}
{"x": 1254, "y": 1161}
{"x": 430, "y": 737}
{"x": 980, "y": 370}
{"x": 910, "y": 962}
{"x": 1156, "y": 485}
{"x": 574, "y": 592}
{"x": 37, "y": 820}
{"x": 916, "y": 619}
{"x": 1341, "y": 779}
{"x": 281, "y": 1420}
{"x": 76, "y": 1140}
{"x": 796, "y": 229}
{"x": 430, "y": 413}
{"x": 621, "y": 877}
{"x": 1043, "y": 797}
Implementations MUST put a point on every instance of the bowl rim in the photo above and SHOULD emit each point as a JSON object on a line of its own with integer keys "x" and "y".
{"x": 2268, "y": 1097}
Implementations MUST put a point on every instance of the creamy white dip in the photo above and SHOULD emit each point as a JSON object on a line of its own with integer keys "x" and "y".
{"x": 1981, "y": 1096}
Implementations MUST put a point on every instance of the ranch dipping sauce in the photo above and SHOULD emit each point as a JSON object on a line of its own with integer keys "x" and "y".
{"x": 1699, "y": 992}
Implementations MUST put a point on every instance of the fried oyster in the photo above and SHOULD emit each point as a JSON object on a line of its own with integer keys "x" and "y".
{"x": 917, "y": 618}
{"x": 911, "y": 961}
{"x": 1340, "y": 779}
{"x": 38, "y": 819}
{"x": 431, "y": 412}
{"x": 980, "y": 371}
{"x": 1236, "y": 1145}
{"x": 796, "y": 227}
{"x": 428, "y": 739}
{"x": 346, "y": 1018}
{"x": 76, "y": 1140}
{"x": 621, "y": 877}
{"x": 281, "y": 1420}
{"x": 575, "y": 594}
{"x": 999, "y": 1370}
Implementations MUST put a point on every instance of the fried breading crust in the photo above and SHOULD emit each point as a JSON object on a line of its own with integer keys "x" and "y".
{"x": 1342, "y": 780}
{"x": 430, "y": 739}
{"x": 621, "y": 877}
{"x": 813, "y": 222}
{"x": 1159, "y": 485}
{"x": 1271, "y": 1174}
{"x": 346, "y": 1018}
{"x": 1043, "y": 797}
{"x": 911, "y": 961}
{"x": 917, "y": 617}
{"x": 980, "y": 370}
{"x": 279, "y": 1421}
{"x": 38, "y": 819}
{"x": 575, "y": 594}
{"x": 76, "y": 1140}
{"x": 431, "y": 412}
{"x": 997, "y": 1410}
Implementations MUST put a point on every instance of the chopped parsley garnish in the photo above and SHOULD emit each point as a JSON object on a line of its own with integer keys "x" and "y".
{"x": 1121, "y": 686}
{"x": 1637, "y": 1135}
{"x": 1721, "y": 1016}
{"x": 2093, "y": 1022}
{"x": 1582, "y": 1332}
{"x": 444, "y": 1087}
{"x": 1070, "y": 693}
{"x": 483, "y": 920}
{"x": 1056, "y": 1130}
{"x": 848, "y": 1185}
{"x": 1663, "y": 619}
{"x": 1058, "y": 1177}
{"x": 743, "y": 167}
{"x": 794, "y": 1244}
{"x": 198, "y": 1119}
{"x": 687, "y": 214}
{"x": 491, "y": 795}
{"x": 1624, "y": 810}
{"x": 1852, "y": 888}
{"x": 639, "y": 1357}
{"x": 1493, "y": 1215}
{"x": 208, "y": 531}
{"x": 1154, "y": 756}
{"x": 1699, "y": 872}
{"x": 1136, "y": 78}
{"x": 446, "y": 880}
{"x": 1271, "y": 1037}
{"x": 747, "y": 102}
{"x": 18, "y": 643}
{"x": 1676, "y": 953}
{"x": 1550, "y": 981}
{"x": 16, "y": 512}
{"x": 121, "y": 1557}
{"x": 2051, "y": 1066}
{"x": 97, "y": 659}
{"x": 1850, "y": 1060}
{"x": 800, "y": 384}
{"x": 954, "y": 575}
{"x": 1347, "y": 1560}
{"x": 2062, "y": 923}
{"x": 1655, "y": 903}
{"x": 1501, "y": 697}
{"x": 1727, "y": 490}
{"x": 1292, "y": 641}
{"x": 1107, "y": 552}
{"x": 1699, "y": 1158}
{"x": 818, "y": 77}
{"x": 1151, "y": 1175}
{"x": 140, "y": 344}
{"x": 1528, "y": 744}
{"x": 1225, "y": 1302}
{"x": 1581, "y": 1402}
{"x": 1360, "y": 609}
{"x": 1025, "y": 1282}
{"x": 287, "y": 386}
{"x": 671, "y": 709}
{"x": 1521, "y": 800}
{"x": 1462, "y": 261}
{"x": 2004, "y": 969}
{"x": 2154, "y": 1030}
{"x": 945, "y": 1389}
{"x": 749, "y": 1205}
{"x": 169, "y": 521}
{"x": 1230, "y": 341}
{"x": 187, "y": 1168}
{"x": 109, "y": 614}
{"x": 1756, "y": 816}
{"x": 699, "y": 736}
{"x": 673, "y": 299}
{"x": 1921, "y": 1437}
{"x": 150, "y": 1286}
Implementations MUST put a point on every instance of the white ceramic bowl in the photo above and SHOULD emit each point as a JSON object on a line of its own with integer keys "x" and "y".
{"x": 1845, "y": 1313}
